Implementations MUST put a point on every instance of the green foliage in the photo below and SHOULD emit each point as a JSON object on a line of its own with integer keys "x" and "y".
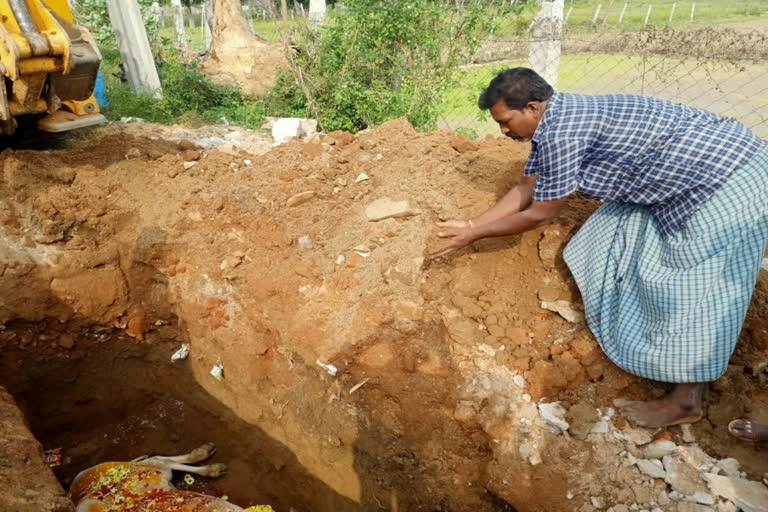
{"x": 286, "y": 98}
{"x": 187, "y": 94}
{"x": 94, "y": 15}
{"x": 375, "y": 60}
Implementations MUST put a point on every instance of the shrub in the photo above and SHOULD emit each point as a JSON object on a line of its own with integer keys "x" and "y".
{"x": 375, "y": 60}
{"x": 187, "y": 93}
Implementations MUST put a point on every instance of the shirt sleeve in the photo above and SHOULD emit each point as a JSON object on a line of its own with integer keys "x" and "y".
{"x": 557, "y": 166}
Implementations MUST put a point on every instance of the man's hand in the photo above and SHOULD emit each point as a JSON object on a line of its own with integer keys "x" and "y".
{"x": 461, "y": 234}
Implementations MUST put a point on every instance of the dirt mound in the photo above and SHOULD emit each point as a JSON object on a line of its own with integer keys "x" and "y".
{"x": 393, "y": 381}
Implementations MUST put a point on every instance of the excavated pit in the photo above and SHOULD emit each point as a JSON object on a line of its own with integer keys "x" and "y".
{"x": 356, "y": 375}
{"x": 115, "y": 399}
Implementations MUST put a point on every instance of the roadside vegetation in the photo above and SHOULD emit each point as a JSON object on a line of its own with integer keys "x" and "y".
{"x": 373, "y": 60}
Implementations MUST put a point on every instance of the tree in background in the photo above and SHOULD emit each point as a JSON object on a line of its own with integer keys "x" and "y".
{"x": 237, "y": 56}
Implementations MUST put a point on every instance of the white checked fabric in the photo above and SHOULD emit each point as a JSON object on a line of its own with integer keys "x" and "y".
{"x": 671, "y": 308}
{"x": 637, "y": 150}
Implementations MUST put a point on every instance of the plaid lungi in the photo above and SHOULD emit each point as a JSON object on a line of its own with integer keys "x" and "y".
{"x": 670, "y": 309}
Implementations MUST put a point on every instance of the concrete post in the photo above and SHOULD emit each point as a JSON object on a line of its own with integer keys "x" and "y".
{"x": 546, "y": 34}
{"x": 208, "y": 22}
{"x": 178, "y": 13}
{"x": 316, "y": 13}
{"x": 135, "y": 52}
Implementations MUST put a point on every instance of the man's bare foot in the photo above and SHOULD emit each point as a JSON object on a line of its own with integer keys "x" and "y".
{"x": 748, "y": 430}
{"x": 682, "y": 405}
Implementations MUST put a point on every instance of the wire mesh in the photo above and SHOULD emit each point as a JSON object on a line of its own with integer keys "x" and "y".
{"x": 723, "y": 69}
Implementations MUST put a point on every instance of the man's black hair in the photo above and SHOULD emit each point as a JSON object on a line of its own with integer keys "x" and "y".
{"x": 517, "y": 87}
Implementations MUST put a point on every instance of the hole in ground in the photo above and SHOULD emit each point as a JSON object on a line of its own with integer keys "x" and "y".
{"x": 119, "y": 399}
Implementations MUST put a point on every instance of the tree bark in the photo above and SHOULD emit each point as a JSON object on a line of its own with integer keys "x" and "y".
{"x": 237, "y": 55}
{"x": 284, "y": 9}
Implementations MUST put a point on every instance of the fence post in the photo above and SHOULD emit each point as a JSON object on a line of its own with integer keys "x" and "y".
{"x": 546, "y": 35}
{"x": 597, "y": 13}
{"x": 648, "y": 14}
{"x": 135, "y": 53}
{"x": 672, "y": 12}
{"x": 178, "y": 13}
{"x": 316, "y": 13}
{"x": 207, "y": 22}
{"x": 693, "y": 8}
{"x": 623, "y": 10}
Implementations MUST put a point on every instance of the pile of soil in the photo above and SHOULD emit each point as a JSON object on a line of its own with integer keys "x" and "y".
{"x": 398, "y": 383}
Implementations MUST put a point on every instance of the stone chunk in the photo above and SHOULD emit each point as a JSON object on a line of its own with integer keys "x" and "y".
{"x": 659, "y": 449}
{"x": 652, "y": 468}
{"x": 554, "y": 414}
{"x": 286, "y": 127}
{"x": 301, "y": 197}
{"x": 682, "y": 477}
{"x": 565, "y": 309}
{"x": 386, "y": 208}
{"x": 749, "y": 496}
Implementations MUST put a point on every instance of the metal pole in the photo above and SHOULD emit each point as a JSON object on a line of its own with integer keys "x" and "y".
{"x": 672, "y": 12}
{"x": 648, "y": 14}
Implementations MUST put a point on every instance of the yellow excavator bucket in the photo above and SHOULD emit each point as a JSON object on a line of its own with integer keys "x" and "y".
{"x": 49, "y": 66}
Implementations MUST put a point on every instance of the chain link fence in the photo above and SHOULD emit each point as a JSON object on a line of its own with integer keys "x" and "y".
{"x": 721, "y": 68}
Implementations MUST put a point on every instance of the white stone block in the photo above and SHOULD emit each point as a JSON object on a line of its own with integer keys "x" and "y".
{"x": 286, "y": 127}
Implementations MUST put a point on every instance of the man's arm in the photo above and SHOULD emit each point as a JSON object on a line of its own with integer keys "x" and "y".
{"x": 516, "y": 200}
{"x": 536, "y": 214}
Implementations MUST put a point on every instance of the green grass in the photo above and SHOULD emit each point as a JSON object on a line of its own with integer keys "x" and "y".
{"x": 580, "y": 14}
{"x": 269, "y": 30}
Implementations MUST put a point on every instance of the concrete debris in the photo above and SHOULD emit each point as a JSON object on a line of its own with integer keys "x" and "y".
{"x": 729, "y": 466}
{"x": 697, "y": 458}
{"x": 565, "y": 309}
{"x": 300, "y": 198}
{"x": 554, "y": 414}
{"x": 637, "y": 436}
{"x": 658, "y": 449}
{"x": 702, "y": 498}
{"x": 386, "y": 208}
{"x": 682, "y": 477}
{"x": 750, "y": 496}
{"x": 652, "y": 468}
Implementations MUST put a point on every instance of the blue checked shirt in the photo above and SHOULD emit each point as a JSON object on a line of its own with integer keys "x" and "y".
{"x": 636, "y": 149}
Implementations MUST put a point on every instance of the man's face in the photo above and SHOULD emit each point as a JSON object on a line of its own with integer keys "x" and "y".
{"x": 518, "y": 124}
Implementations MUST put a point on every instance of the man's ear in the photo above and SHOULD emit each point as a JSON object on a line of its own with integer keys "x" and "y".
{"x": 535, "y": 107}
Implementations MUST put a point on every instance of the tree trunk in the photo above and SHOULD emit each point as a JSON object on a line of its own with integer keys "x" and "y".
{"x": 284, "y": 9}
{"x": 237, "y": 55}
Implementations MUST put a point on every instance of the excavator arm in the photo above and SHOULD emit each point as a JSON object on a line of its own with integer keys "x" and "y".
{"x": 49, "y": 66}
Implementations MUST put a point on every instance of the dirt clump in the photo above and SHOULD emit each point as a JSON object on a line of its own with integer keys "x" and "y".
{"x": 396, "y": 382}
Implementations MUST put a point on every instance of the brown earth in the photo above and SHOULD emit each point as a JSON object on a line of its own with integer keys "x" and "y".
{"x": 117, "y": 249}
